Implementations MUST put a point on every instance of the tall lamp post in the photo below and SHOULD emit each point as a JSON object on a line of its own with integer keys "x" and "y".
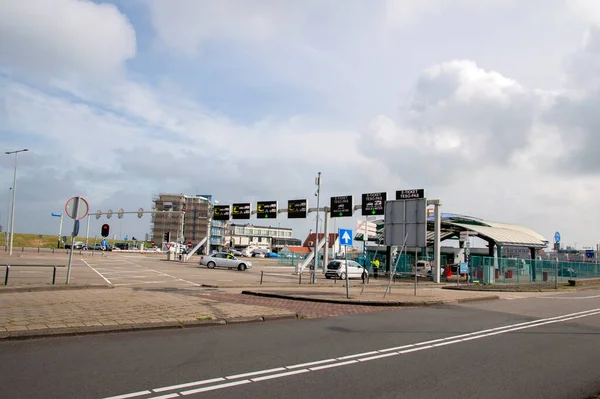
{"x": 12, "y": 218}
{"x": 313, "y": 275}
{"x": 7, "y": 227}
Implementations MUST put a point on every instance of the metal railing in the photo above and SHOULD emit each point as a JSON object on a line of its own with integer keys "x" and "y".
{"x": 514, "y": 270}
{"x": 7, "y": 266}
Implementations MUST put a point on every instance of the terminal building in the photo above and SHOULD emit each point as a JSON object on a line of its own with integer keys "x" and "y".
{"x": 501, "y": 239}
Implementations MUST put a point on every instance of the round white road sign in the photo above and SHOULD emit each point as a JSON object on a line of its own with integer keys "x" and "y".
{"x": 82, "y": 210}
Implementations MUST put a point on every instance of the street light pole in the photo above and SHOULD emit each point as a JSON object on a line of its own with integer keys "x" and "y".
{"x": 316, "y": 242}
{"x": 12, "y": 218}
{"x": 7, "y": 227}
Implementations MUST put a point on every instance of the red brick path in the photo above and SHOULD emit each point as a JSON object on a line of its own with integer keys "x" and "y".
{"x": 303, "y": 308}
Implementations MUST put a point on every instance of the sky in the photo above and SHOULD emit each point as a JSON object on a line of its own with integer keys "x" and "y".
{"x": 489, "y": 105}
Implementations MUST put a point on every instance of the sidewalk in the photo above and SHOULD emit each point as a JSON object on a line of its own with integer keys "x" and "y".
{"x": 68, "y": 312}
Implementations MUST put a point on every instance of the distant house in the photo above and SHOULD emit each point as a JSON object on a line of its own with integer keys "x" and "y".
{"x": 334, "y": 242}
{"x": 291, "y": 254}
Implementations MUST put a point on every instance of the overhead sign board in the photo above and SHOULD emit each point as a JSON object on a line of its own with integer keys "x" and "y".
{"x": 410, "y": 194}
{"x": 406, "y": 222}
{"x": 342, "y": 206}
{"x": 221, "y": 212}
{"x": 241, "y": 211}
{"x": 266, "y": 209}
{"x": 297, "y": 209}
{"x": 373, "y": 204}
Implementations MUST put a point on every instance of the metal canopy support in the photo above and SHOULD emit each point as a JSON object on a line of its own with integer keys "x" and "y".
{"x": 326, "y": 236}
{"x": 436, "y": 239}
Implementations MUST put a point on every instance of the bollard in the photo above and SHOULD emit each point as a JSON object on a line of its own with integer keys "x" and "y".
{"x": 54, "y": 274}
{"x": 300, "y": 278}
{"x": 22, "y": 249}
{"x": 38, "y": 250}
{"x": 261, "y": 277}
{"x": 52, "y": 250}
{"x": 6, "y": 276}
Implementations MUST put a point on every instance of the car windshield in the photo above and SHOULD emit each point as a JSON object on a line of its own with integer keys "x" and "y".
{"x": 334, "y": 265}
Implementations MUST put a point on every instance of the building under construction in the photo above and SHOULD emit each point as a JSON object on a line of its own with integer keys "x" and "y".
{"x": 187, "y": 218}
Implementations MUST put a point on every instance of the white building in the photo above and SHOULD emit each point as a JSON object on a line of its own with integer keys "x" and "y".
{"x": 240, "y": 236}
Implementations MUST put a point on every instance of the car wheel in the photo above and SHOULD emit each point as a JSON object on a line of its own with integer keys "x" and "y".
{"x": 211, "y": 265}
{"x": 241, "y": 267}
{"x": 343, "y": 276}
{"x": 328, "y": 277}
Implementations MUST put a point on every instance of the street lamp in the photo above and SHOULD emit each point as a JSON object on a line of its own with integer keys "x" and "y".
{"x": 12, "y": 218}
{"x": 7, "y": 227}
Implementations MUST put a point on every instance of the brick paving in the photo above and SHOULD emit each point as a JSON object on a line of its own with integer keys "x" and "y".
{"x": 303, "y": 308}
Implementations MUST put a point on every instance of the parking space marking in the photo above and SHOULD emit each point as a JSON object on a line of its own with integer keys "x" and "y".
{"x": 100, "y": 274}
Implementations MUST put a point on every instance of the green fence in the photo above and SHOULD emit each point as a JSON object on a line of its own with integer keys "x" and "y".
{"x": 512, "y": 270}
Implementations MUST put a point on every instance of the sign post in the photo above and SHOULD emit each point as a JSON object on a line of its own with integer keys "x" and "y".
{"x": 76, "y": 208}
{"x": 346, "y": 240}
{"x": 59, "y": 215}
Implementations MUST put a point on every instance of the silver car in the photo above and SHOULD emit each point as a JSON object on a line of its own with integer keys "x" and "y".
{"x": 223, "y": 259}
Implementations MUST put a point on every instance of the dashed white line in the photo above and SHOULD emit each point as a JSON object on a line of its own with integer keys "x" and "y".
{"x": 189, "y": 384}
{"x": 378, "y": 354}
{"x": 328, "y": 366}
{"x": 270, "y": 377}
{"x": 234, "y": 377}
{"x": 130, "y": 395}
{"x": 169, "y": 396}
{"x": 100, "y": 274}
{"x": 214, "y": 387}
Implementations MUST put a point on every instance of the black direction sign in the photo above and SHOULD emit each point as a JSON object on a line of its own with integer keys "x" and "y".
{"x": 221, "y": 212}
{"x": 342, "y": 206}
{"x": 266, "y": 209}
{"x": 297, "y": 209}
{"x": 240, "y": 211}
{"x": 373, "y": 204}
{"x": 410, "y": 194}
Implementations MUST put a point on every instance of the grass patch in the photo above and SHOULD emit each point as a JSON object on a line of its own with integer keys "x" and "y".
{"x": 51, "y": 241}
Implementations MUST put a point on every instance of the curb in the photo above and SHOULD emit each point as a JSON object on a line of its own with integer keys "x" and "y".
{"x": 89, "y": 330}
{"x": 349, "y": 301}
{"x": 41, "y": 288}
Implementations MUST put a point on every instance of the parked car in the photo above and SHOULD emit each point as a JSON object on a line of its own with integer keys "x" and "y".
{"x": 567, "y": 272}
{"x": 337, "y": 269}
{"x": 225, "y": 260}
{"x": 235, "y": 252}
{"x": 97, "y": 247}
{"x": 76, "y": 245}
{"x": 271, "y": 255}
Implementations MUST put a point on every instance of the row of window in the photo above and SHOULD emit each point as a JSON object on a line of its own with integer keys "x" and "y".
{"x": 262, "y": 232}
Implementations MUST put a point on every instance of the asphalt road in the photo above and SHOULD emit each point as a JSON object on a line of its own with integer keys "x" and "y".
{"x": 546, "y": 347}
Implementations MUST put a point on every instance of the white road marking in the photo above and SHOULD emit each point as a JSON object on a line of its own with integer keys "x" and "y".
{"x": 328, "y": 366}
{"x": 310, "y": 363}
{"x": 567, "y": 297}
{"x": 165, "y": 274}
{"x": 141, "y": 282}
{"x": 270, "y": 377}
{"x": 235, "y": 377}
{"x": 358, "y": 355}
{"x": 100, "y": 274}
{"x": 130, "y": 395}
{"x": 169, "y": 396}
{"x": 381, "y": 353}
{"x": 189, "y": 384}
{"x": 212, "y": 388}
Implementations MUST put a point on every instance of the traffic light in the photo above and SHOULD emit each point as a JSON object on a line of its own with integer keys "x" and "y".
{"x": 167, "y": 236}
{"x": 105, "y": 230}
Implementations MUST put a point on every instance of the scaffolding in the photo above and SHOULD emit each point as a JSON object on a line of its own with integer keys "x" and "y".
{"x": 185, "y": 217}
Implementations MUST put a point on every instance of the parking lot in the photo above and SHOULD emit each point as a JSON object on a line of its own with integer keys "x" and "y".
{"x": 137, "y": 270}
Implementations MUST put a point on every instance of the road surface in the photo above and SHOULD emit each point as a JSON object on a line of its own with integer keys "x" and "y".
{"x": 540, "y": 347}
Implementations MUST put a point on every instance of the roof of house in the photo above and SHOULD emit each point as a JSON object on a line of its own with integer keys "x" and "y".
{"x": 298, "y": 250}
{"x": 311, "y": 238}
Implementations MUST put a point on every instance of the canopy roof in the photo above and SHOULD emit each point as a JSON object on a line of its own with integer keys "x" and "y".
{"x": 502, "y": 234}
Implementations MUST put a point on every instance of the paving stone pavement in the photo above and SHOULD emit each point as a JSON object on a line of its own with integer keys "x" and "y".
{"x": 38, "y": 311}
{"x": 302, "y": 308}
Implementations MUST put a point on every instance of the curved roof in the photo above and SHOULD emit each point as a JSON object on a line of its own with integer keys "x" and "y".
{"x": 503, "y": 234}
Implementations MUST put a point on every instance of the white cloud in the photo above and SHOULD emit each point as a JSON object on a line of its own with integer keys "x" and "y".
{"x": 64, "y": 37}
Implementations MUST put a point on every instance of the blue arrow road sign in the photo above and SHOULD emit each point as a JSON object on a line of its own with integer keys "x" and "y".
{"x": 56, "y": 214}
{"x": 345, "y": 237}
{"x": 557, "y": 237}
